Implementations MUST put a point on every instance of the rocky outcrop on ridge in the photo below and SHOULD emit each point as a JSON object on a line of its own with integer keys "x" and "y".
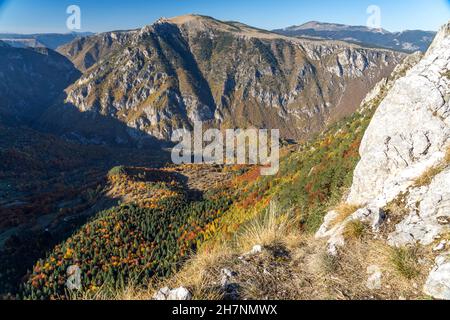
{"x": 405, "y": 161}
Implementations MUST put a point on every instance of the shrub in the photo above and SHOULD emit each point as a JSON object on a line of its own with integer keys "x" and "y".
{"x": 117, "y": 171}
{"x": 271, "y": 227}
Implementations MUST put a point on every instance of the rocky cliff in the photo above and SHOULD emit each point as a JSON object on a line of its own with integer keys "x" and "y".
{"x": 176, "y": 71}
{"x": 402, "y": 183}
{"x": 30, "y": 81}
{"x": 86, "y": 51}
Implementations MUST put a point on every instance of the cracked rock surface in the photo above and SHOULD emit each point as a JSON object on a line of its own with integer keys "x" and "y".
{"x": 410, "y": 130}
{"x": 408, "y": 139}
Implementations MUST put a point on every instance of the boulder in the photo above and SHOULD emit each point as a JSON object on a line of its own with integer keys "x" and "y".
{"x": 429, "y": 208}
{"x": 438, "y": 282}
{"x": 375, "y": 276}
{"x": 229, "y": 286}
{"x": 179, "y": 294}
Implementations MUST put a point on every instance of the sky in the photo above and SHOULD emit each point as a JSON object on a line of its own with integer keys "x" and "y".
{"x": 31, "y": 16}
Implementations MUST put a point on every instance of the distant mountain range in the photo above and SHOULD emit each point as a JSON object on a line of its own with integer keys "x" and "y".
{"x": 47, "y": 40}
{"x": 408, "y": 41}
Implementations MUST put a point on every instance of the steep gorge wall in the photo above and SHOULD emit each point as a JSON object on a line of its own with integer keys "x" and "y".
{"x": 169, "y": 74}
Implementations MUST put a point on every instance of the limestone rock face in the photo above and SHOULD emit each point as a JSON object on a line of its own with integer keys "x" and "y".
{"x": 371, "y": 214}
{"x": 429, "y": 217}
{"x": 438, "y": 282}
{"x": 405, "y": 160}
{"x": 410, "y": 130}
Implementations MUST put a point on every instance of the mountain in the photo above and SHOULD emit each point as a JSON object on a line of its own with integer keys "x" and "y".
{"x": 384, "y": 171}
{"x": 30, "y": 81}
{"x": 358, "y": 210}
{"x": 87, "y": 51}
{"x": 268, "y": 220}
{"x": 169, "y": 74}
{"x": 46, "y": 40}
{"x": 408, "y": 41}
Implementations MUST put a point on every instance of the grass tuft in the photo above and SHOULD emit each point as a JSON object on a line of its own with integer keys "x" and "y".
{"x": 329, "y": 264}
{"x": 427, "y": 177}
{"x": 405, "y": 261}
{"x": 344, "y": 211}
{"x": 355, "y": 230}
{"x": 447, "y": 74}
{"x": 271, "y": 227}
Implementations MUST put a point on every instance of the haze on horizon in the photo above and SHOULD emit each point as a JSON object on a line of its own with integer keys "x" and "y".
{"x": 48, "y": 16}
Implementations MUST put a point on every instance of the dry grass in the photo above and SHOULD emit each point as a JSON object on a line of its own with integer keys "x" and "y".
{"x": 295, "y": 266}
{"x": 406, "y": 262}
{"x": 299, "y": 268}
{"x": 352, "y": 275}
{"x": 344, "y": 211}
{"x": 131, "y": 292}
{"x": 271, "y": 227}
{"x": 427, "y": 177}
{"x": 268, "y": 271}
{"x": 355, "y": 230}
{"x": 304, "y": 270}
{"x": 396, "y": 211}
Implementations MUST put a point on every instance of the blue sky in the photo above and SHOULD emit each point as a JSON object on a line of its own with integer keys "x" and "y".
{"x": 27, "y": 16}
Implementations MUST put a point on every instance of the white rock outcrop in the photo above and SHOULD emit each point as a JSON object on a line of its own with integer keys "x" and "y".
{"x": 429, "y": 216}
{"x": 179, "y": 294}
{"x": 410, "y": 130}
{"x": 438, "y": 282}
{"x": 374, "y": 281}
{"x": 408, "y": 135}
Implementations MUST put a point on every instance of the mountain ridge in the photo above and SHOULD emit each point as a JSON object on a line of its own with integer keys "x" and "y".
{"x": 31, "y": 79}
{"x": 199, "y": 68}
{"x": 407, "y": 40}
{"x": 47, "y": 40}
